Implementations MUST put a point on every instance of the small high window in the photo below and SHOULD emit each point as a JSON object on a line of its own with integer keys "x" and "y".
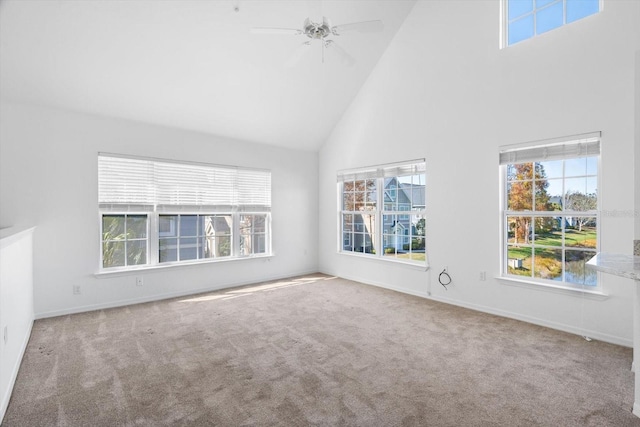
{"x": 523, "y": 19}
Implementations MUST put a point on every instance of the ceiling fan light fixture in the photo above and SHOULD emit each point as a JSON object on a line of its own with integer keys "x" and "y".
{"x": 321, "y": 32}
{"x": 316, "y": 30}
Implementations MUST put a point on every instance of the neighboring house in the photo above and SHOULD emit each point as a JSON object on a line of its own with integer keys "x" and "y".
{"x": 569, "y": 222}
{"x": 211, "y": 241}
{"x": 218, "y": 230}
{"x": 556, "y": 200}
{"x": 398, "y": 229}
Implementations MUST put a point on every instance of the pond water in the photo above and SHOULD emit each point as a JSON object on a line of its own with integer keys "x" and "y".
{"x": 576, "y": 272}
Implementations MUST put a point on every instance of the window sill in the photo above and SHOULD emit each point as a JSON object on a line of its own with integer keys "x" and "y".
{"x": 540, "y": 286}
{"x": 174, "y": 265}
{"x": 423, "y": 267}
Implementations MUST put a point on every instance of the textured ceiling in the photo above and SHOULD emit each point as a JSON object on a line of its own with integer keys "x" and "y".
{"x": 193, "y": 64}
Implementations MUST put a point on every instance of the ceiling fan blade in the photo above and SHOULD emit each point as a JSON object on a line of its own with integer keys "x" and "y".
{"x": 297, "y": 55}
{"x": 285, "y": 31}
{"x": 341, "y": 53}
{"x": 362, "y": 27}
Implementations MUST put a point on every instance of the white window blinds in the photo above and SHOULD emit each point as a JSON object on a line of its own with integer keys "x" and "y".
{"x": 585, "y": 145}
{"x": 384, "y": 171}
{"x": 167, "y": 185}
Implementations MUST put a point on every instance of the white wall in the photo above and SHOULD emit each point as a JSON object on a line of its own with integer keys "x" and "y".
{"x": 16, "y": 304}
{"x": 637, "y": 150}
{"x": 48, "y": 177}
{"x": 445, "y": 92}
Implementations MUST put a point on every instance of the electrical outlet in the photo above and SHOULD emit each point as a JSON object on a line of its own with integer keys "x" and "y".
{"x": 139, "y": 281}
{"x": 76, "y": 290}
{"x": 483, "y": 276}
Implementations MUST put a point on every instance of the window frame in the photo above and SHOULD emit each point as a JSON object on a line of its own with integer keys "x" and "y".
{"x": 504, "y": 20}
{"x": 179, "y": 237}
{"x": 252, "y": 234}
{"x": 154, "y": 211}
{"x": 102, "y": 241}
{"x": 379, "y": 174}
{"x": 506, "y": 213}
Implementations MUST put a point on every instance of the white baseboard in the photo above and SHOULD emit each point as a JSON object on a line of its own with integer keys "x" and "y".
{"x": 162, "y": 296}
{"x": 612, "y": 339}
{"x": 6, "y": 394}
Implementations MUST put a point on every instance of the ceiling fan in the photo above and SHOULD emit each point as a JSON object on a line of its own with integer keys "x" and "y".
{"x": 322, "y": 31}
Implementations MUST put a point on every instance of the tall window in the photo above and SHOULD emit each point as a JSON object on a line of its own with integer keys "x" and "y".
{"x": 550, "y": 212}
{"x": 524, "y": 19}
{"x": 161, "y": 212}
{"x": 383, "y": 212}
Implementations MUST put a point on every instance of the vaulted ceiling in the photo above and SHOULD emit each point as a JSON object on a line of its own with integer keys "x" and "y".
{"x": 194, "y": 64}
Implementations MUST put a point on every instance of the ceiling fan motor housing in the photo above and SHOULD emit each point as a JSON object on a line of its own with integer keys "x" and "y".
{"x": 317, "y": 31}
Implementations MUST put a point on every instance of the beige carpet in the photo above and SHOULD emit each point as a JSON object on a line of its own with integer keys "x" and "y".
{"x": 314, "y": 350}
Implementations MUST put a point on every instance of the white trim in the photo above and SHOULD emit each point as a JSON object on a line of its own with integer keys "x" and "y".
{"x": 10, "y": 235}
{"x": 167, "y": 295}
{"x": 124, "y": 271}
{"x": 13, "y": 375}
{"x": 502, "y": 25}
{"x": 503, "y": 313}
{"x": 636, "y": 409}
{"x": 375, "y": 257}
{"x": 12, "y": 356}
{"x": 548, "y": 287}
{"x": 541, "y": 322}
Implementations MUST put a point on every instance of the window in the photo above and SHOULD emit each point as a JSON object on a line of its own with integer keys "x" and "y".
{"x": 161, "y": 212}
{"x": 393, "y": 229}
{"x": 253, "y": 234}
{"x": 190, "y": 237}
{"x": 523, "y": 19}
{"x": 550, "y": 210}
{"x": 124, "y": 240}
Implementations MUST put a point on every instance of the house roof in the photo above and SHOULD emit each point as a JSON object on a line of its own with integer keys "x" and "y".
{"x": 414, "y": 194}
